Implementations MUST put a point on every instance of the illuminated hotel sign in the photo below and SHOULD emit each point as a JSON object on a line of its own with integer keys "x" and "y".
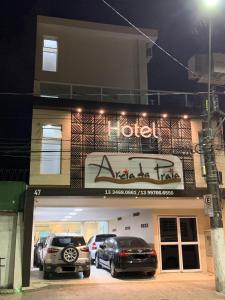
{"x": 136, "y": 130}
{"x": 135, "y": 171}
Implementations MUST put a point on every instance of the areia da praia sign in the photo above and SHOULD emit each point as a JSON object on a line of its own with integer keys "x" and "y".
{"x": 135, "y": 171}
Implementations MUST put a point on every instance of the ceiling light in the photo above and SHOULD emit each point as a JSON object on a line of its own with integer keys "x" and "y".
{"x": 185, "y": 116}
{"x": 123, "y": 113}
{"x": 63, "y": 220}
{"x": 144, "y": 114}
{"x": 79, "y": 110}
{"x": 73, "y": 213}
{"x": 165, "y": 115}
{"x": 101, "y": 111}
{"x": 68, "y": 217}
{"x": 78, "y": 209}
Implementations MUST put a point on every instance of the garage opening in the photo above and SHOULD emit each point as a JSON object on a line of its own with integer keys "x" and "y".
{"x": 86, "y": 222}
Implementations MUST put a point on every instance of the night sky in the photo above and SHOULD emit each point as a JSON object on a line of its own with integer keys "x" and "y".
{"x": 182, "y": 32}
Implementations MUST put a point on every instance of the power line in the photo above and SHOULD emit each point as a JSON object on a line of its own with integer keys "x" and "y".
{"x": 148, "y": 37}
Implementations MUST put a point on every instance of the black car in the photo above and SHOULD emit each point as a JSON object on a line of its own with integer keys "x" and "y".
{"x": 126, "y": 254}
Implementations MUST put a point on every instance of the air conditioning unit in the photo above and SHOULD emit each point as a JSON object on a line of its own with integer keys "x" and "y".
{"x": 198, "y": 64}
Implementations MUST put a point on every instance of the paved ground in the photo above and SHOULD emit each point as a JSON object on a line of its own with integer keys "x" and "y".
{"x": 100, "y": 286}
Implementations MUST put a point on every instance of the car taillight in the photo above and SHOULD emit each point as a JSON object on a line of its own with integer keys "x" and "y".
{"x": 123, "y": 253}
{"x": 84, "y": 249}
{"x": 94, "y": 246}
{"x": 52, "y": 250}
{"x": 152, "y": 252}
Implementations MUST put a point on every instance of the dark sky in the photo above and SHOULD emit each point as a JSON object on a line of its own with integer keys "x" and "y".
{"x": 182, "y": 32}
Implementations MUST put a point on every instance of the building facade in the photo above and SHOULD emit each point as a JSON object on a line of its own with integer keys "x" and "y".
{"x": 98, "y": 143}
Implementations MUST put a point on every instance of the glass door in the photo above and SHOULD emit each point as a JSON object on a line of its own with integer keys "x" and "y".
{"x": 179, "y": 244}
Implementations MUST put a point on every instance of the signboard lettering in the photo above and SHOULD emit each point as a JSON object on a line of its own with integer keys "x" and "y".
{"x": 128, "y": 131}
{"x": 112, "y": 170}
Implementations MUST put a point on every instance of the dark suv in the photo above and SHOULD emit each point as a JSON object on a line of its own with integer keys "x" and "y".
{"x": 126, "y": 254}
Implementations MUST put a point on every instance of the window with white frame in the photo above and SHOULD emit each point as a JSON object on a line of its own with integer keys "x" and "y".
{"x": 50, "y": 54}
{"x": 51, "y": 149}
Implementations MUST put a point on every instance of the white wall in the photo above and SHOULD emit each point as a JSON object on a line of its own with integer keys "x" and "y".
{"x": 145, "y": 217}
{"x": 94, "y": 54}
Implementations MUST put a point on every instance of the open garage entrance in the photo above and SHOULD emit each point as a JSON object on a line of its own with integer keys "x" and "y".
{"x": 152, "y": 219}
{"x": 87, "y": 222}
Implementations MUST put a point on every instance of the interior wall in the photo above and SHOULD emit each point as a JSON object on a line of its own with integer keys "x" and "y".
{"x": 87, "y": 229}
{"x": 130, "y": 225}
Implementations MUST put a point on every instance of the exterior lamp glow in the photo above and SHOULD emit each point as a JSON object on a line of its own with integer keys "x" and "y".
{"x": 211, "y": 3}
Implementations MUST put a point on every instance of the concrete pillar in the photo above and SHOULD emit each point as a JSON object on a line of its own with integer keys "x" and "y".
{"x": 17, "y": 276}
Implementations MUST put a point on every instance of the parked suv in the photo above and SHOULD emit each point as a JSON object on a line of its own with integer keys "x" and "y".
{"x": 65, "y": 254}
{"x": 94, "y": 243}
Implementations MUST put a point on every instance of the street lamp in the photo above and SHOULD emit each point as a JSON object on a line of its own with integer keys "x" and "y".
{"x": 217, "y": 231}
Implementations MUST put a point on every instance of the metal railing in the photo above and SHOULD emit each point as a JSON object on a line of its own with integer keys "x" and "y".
{"x": 109, "y": 94}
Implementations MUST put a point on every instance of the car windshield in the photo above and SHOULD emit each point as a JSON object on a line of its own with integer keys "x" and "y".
{"x": 63, "y": 241}
{"x": 131, "y": 242}
{"x": 103, "y": 237}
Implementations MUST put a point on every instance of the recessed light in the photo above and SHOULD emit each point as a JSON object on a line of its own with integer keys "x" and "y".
{"x": 79, "y": 110}
{"x": 144, "y": 114}
{"x": 73, "y": 213}
{"x": 164, "y": 115}
{"x": 78, "y": 209}
{"x": 185, "y": 116}
{"x": 101, "y": 111}
{"x": 67, "y": 217}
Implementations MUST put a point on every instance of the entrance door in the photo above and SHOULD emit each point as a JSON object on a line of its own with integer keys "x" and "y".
{"x": 179, "y": 244}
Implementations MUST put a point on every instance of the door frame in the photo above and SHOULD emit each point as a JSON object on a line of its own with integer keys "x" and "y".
{"x": 179, "y": 243}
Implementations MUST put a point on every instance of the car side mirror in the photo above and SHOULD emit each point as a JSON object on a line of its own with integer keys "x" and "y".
{"x": 103, "y": 246}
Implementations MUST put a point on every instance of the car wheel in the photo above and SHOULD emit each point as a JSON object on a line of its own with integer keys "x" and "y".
{"x": 151, "y": 274}
{"x": 97, "y": 264}
{"x": 69, "y": 254}
{"x": 40, "y": 267}
{"x": 113, "y": 272}
{"x": 87, "y": 273}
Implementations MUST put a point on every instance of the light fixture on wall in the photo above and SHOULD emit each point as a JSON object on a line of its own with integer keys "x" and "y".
{"x": 101, "y": 111}
{"x": 79, "y": 110}
{"x": 165, "y": 116}
{"x": 144, "y": 114}
{"x": 78, "y": 209}
{"x": 123, "y": 113}
{"x": 185, "y": 117}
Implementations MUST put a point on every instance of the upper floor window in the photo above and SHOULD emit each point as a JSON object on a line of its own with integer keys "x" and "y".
{"x": 50, "y": 53}
{"x": 51, "y": 149}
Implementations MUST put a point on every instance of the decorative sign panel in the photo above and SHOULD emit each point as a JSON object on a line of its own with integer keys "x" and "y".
{"x": 133, "y": 171}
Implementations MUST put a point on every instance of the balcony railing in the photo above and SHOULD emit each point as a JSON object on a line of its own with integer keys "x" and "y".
{"x": 111, "y": 94}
